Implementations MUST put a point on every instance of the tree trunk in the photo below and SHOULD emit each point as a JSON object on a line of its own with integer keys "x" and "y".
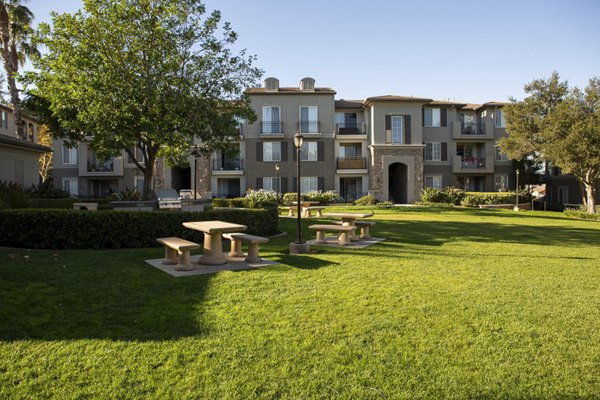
{"x": 11, "y": 66}
{"x": 591, "y": 201}
{"x": 148, "y": 175}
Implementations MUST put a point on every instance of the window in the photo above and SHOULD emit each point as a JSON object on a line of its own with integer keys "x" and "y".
{"x": 432, "y": 117}
{"x": 500, "y": 156}
{"x": 397, "y": 129}
{"x": 499, "y": 117}
{"x": 271, "y": 122}
{"x": 70, "y": 185}
{"x": 138, "y": 183}
{"x": 309, "y": 120}
{"x": 433, "y": 151}
{"x": 4, "y": 119}
{"x": 270, "y": 183}
{"x": 433, "y": 181}
{"x": 309, "y": 184}
{"x": 69, "y": 154}
{"x": 271, "y": 151}
{"x": 139, "y": 156}
{"x": 501, "y": 183}
{"x": 563, "y": 194}
{"x": 350, "y": 150}
{"x": 309, "y": 152}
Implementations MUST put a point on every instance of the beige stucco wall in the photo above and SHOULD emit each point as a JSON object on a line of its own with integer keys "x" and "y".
{"x": 11, "y": 158}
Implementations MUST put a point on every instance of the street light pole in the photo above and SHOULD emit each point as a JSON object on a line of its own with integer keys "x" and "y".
{"x": 298, "y": 140}
{"x": 196, "y": 154}
{"x": 517, "y": 192}
{"x": 277, "y": 179}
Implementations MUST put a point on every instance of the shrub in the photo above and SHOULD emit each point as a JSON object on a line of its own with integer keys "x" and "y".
{"x": 75, "y": 229}
{"x": 47, "y": 190}
{"x": 433, "y": 195}
{"x": 323, "y": 198}
{"x": 474, "y": 199}
{"x": 453, "y": 195}
{"x": 53, "y": 203}
{"x": 367, "y": 200}
{"x": 581, "y": 215}
{"x": 127, "y": 195}
{"x": 12, "y": 196}
{"x": 289, "y": 198}
{"x": 385, "y": 204}
{"x": 261, "y": 198}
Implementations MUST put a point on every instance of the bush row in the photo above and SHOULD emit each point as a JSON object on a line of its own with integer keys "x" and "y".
{"x": 582, "y": 215}
{"x": 323, "y": 198}
{"x": 450, "y": 195}
{"x": 74, "y": 229}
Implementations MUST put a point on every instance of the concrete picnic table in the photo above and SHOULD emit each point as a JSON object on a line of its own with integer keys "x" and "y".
{"x": 305, "y": 204}
{"x": 348, "y": 219}
{"x": 213, "y": 249}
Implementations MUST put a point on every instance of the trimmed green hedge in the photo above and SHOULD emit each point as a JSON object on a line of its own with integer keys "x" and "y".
{"x": 581, "y": 215}
{"x": 74, "y": 229}
{"x": 474, "y": 199}
{"x": 242, "y": 202}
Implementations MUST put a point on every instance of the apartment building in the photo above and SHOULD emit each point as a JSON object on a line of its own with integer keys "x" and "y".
{"x": 19, "y": 156}
{"x": 388, "y": 146}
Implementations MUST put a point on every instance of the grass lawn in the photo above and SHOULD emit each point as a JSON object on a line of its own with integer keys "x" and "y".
{"x": 456, "y": 303}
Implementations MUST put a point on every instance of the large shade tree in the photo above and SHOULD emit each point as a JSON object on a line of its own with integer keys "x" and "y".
{"x": 560, "y": 125}
{"x": 145, "y": 74}
{"x": 15, "y": 47}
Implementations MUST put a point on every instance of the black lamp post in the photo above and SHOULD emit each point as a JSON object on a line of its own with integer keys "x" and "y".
{"x": 195, "y": 153}
{"x": 277, "y": 179}
{"x": 517, "y": 192}
{"x": 298, "y": 140}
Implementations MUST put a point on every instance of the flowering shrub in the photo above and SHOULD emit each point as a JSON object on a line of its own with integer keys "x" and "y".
{"x": 262, "y": 196}
{"x": 367, "y": 200}
{"x": 323, "y": 198}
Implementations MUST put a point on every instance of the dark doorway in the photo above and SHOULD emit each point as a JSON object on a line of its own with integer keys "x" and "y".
{"x": 181, "y": 178}
{"x": 398, "y": 177}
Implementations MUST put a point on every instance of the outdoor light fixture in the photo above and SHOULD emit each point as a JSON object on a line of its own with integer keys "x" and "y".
{"x": 298, "y": 140}
{"x": 277, "y": 179}
{"x": 517, "y": 192}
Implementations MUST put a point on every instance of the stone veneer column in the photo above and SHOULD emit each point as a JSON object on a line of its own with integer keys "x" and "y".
{"x": 377, "y": 172}
{"x": 203, "y": 176}
{"x": 159, "y": 174}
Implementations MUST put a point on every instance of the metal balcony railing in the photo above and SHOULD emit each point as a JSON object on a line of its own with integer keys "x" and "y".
{"x": 473, "y": 163}
{"x": 356, "y": 128}
{"x": 224, "y": 164}
{"x": 351, "y": 163}
{"x": 473, "y": 128}
{"x": 309, "y": 127}
{"x": 97, "y": 166}
{"x": 271, "y": 127}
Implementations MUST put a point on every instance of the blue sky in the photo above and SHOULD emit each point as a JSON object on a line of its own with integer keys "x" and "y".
{"x": 473, "y": 51}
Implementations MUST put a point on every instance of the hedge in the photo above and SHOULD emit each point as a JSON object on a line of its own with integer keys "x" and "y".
{"x": 75, "y": 229}
{"x": 582, "y": 215}
{"x": 474, "y": 199}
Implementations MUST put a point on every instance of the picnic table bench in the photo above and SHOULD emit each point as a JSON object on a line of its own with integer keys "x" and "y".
{"x": 177, "y": 252}
{"x": 253, "y": 243}
{"x": 342, "y": 230}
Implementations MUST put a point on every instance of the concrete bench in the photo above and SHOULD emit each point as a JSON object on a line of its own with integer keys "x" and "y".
{"x": 364, "y": 228}
{"x": 253, "y": 242}
{"x": 342, "y": 230}
{"x": 177, "y": 252}
{"x": 290, "y": 210}
{"x": 318, "y": 209}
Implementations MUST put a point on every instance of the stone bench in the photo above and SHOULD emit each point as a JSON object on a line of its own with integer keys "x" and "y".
{"x": 253, "y": 242}
{"x": 318, "y": 209}
{"x": 342, "y": 230}
{"x": 177, "y": 252}
{"x": 364, "y": 228}
{"x": 290, "y": 210}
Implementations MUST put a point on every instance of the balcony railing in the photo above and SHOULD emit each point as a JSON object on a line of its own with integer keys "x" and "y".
{"x": 351, "y": 163}
{"x": 473, "y": 128}
{"x": 271, "y": 127}
{"x": 309, "y": 127}
{"x": 96, "y": 166}
{"x": 356, "y": 128}
{"x": 220, "y": 164}
{"x": 473, "y": 163}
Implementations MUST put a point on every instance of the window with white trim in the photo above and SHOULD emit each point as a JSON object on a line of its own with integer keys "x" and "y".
{"x": 433, "y": 151}
{"x": 309, "y": 122}
{"x": 309, "y": 151}
{"x": 69, "y": 154}
{"x": 270, "y": 183}
{"x": 70, "y": 185}
{"x": 309, "y": 184}
{"x": 501, "y": 183}
{"x": 499, "y": 119}
{"x": 271, "y": 122}
{"x": 433, "y": 118}
{"x": 433, "y": 181}
{"x": 4, "y": 120}
{"x": 397, "y": 129}
{"x": 271, "y": 151}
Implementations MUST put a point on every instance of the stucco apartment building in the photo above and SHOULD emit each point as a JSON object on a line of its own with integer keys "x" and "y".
{"x": 19, "y": 156}
{"x": 387, "y": 146}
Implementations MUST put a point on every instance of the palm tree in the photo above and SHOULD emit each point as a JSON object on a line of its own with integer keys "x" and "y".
{"x": 15, "y": 47}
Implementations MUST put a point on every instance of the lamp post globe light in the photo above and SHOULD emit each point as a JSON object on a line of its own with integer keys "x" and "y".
{"x": 299, "y": 247}
{"x": 517, "y": 193}
{"x": 277, "y": 181}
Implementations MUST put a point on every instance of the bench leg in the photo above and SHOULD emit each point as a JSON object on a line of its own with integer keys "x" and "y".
{"x": 170, "y": 256}
{"x": 253, "y": 254}
{"x": 320, "y": 238}
{"x": 364, "y": 232}
{"x": 291, "y": 212}
{"x": 184, "y": 261}
{"x": 319, "y": 213}
{"x": 236, "y": 249}
{"x": 343, "y": 239}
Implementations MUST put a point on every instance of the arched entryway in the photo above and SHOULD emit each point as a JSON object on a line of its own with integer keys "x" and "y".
{"x": 398, "y": 181}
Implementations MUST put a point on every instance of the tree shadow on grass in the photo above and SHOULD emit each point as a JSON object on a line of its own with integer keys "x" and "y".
{"x": 109, "y": 294}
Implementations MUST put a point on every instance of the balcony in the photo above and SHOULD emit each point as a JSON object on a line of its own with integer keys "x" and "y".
{"x": 95, "y": 167}
{"x": 472, "y": 165}
{"x": 309, "y": 127}
{"x": 471, "y": 130}
{"x": 274, "y": 128}
{"x": 351, "y": 130}
{"x": 233, "y": 166}
{"x": 351, "y": 165}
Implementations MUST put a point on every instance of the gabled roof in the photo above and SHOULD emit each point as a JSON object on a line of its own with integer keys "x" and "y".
{"x": 400, "y": 99}
{"x": 446, "y": 103}
{"x": 290, "y": 90}
{"x": 349, "y": 104}
{"x": 471, "y": 106}
{"x": 494, "y": 104}
{"x": 9, "y": 141}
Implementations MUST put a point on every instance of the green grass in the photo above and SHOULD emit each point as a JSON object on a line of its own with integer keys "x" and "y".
{"x": 456, "y": 303}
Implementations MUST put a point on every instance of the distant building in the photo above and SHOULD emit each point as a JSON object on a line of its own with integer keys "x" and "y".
{"x": 19, "y": 156}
